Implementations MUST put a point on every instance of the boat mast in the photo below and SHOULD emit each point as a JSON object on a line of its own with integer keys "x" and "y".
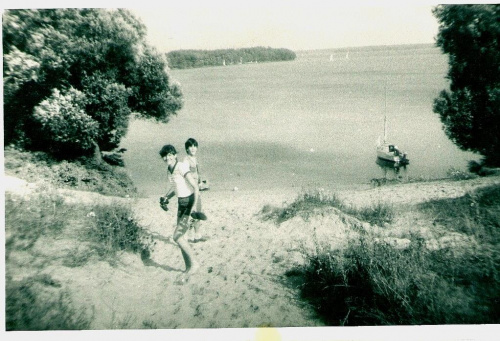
{"x": 385, "y": 111}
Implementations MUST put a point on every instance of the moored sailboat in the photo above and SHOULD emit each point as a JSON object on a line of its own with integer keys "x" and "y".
{"x": 388, "y": 151}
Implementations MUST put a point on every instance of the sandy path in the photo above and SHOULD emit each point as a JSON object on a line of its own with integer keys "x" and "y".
{"x": 239, "y": 283}
{"x": 241, "y": 280}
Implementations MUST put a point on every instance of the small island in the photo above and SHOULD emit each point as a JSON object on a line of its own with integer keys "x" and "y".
{"x": 185, "y": 59}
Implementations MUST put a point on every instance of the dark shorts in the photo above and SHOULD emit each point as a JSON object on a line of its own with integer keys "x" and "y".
{"x": 183, "y": 214}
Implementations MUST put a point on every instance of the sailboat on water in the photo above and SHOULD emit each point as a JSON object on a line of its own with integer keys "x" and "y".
{"x": 388, "y": 151}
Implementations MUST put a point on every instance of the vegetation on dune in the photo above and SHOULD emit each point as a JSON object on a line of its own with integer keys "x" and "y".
{"x": 104, "y": 228}
{"x": 470, "y": 109}
{"x": 476, "y": 214}
{"x": 184, "y": 59}
{"x": 306, "y": 202}
{"x": 81, "y": 174}
{"x": 35, "y": 303}
{"x": 373, "y": 283}
{"x": 70, "y": 235}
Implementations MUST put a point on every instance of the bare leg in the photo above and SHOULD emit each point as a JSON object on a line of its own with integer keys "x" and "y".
{"x": 197, "y": 229}
{"x": 188, "y": 255}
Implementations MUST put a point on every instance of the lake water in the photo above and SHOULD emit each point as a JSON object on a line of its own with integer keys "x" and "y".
{"x": 312, "y": 122}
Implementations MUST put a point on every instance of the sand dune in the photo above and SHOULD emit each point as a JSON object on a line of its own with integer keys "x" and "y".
{"x": 242, "y": 280}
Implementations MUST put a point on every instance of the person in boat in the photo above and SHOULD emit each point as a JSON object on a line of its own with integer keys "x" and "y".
{"x": 183, "y": 185}
{"x": 394, "y": 149}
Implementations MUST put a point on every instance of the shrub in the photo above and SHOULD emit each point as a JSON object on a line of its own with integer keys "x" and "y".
{"x": 457, "y": 174}
{"x": 481, "y": 169}
{"x": 64, "y": 125}
{"x": 108, "y": 104}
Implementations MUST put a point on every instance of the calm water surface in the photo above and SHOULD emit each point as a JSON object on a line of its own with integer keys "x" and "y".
{"x": 311, "y": 122}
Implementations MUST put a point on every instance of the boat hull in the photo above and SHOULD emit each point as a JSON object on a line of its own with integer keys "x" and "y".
{"x": 384, "y": 153}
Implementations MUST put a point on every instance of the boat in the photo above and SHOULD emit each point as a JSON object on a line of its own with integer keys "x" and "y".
{"x": 391, "y": 153}
{"x": 388, "y": 151}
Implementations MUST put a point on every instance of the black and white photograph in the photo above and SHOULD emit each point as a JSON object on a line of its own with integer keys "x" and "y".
{"x": 251, "y": 170}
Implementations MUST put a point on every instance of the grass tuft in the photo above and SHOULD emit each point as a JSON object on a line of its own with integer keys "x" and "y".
{"x": 106, "y": 227}
{"x": 113, "y": 228}
{"x": 33, "y": 304}
{"x": 475, "y": 214}
{"x": 305, "y": 204}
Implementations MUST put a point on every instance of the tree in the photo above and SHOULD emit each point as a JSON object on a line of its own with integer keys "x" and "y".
{"x": 470, "y": 109}
{"x": 92, "y": 65}
{"x": 183, "y": 59}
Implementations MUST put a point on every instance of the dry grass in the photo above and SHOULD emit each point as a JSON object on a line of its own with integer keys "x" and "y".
{"x": 36, "y": 303}
{"x": 40, "y": 229}
{"x": 309, "y": 201}
{"x": 373, "y": 283}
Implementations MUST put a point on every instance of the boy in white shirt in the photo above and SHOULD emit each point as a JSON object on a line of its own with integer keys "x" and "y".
{"x": 186, "y": 188}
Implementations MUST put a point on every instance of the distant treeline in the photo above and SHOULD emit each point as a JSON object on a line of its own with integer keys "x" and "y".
{"x": 183, "y": 59}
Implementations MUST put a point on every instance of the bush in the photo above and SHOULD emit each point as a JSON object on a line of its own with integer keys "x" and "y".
{"x": 108, "y": 103}
{"x": 101, "y": 52}
{"x": 457, "y": 174}
{"x": 481, "y": 169}
{"x": 64, "y": 125}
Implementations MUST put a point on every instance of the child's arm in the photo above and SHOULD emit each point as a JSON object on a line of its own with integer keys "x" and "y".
{"x": 192, "y": 182}
{"x": 165, "y": 199}
{"x": 198, "y": 171}
{"x": 170, "y": 191}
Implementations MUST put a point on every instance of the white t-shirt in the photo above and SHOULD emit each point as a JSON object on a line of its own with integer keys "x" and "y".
{"x": 193, "y": 166}
{"x": 178, "y": 177}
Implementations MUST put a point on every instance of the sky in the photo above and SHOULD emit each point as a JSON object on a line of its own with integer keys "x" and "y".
{"x": 292, "y": 24}
{"x": 298, "y": 25}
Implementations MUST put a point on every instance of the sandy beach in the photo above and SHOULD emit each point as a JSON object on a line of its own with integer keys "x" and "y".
{"x": 242, "y": 281}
